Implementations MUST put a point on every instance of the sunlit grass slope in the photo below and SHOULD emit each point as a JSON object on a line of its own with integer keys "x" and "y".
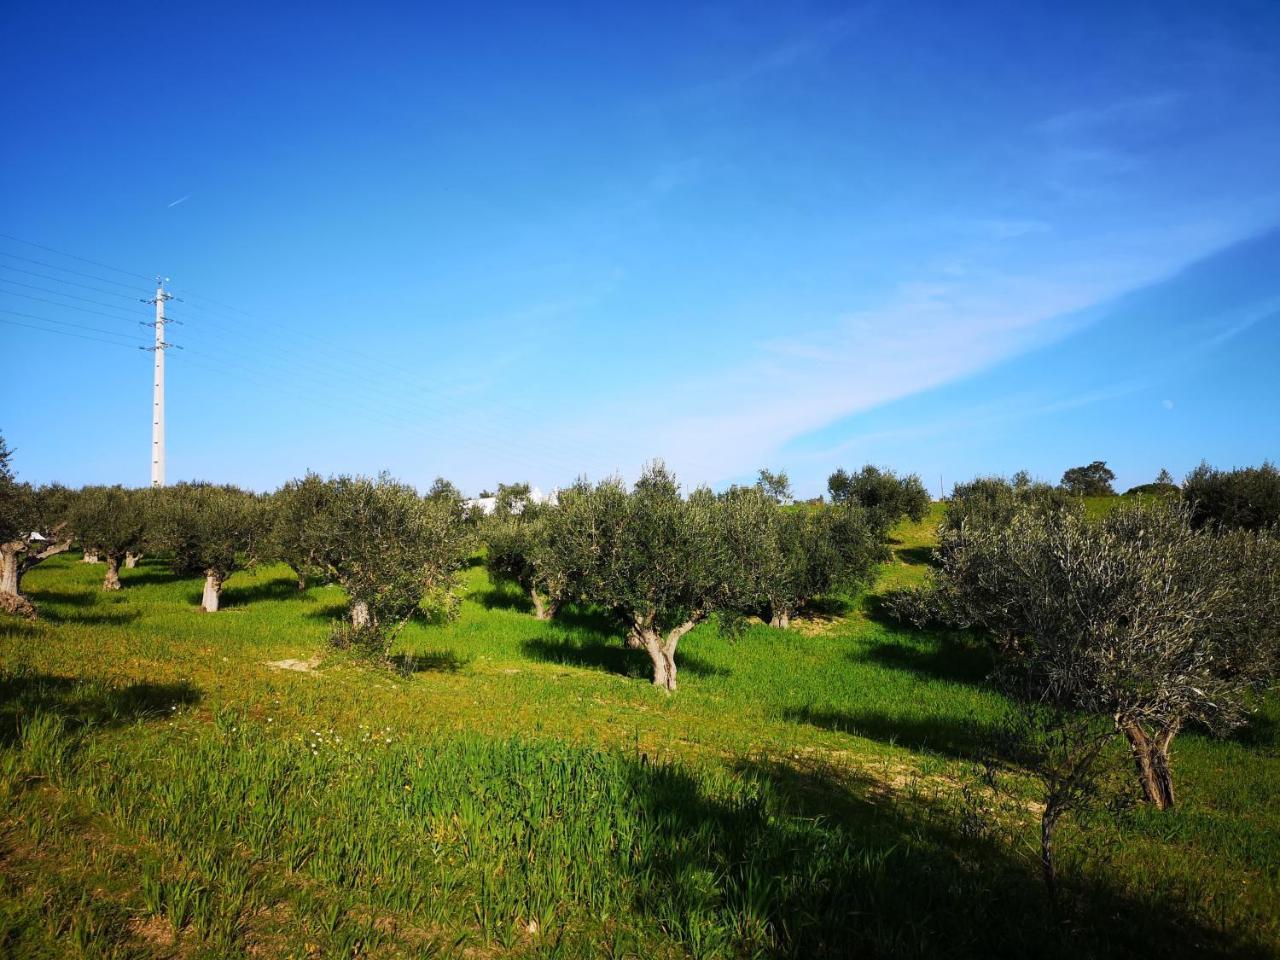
{"x": 523, "y": 791}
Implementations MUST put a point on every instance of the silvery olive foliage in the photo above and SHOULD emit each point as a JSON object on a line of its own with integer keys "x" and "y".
{"x": 392, "y": 551}
{"x": 110, "y": 522}
{"x": 1136, "y": 617}
{"x": 885, "y": 496}
{"x": 207, "y": 528}
{"x": 517, "y": 551}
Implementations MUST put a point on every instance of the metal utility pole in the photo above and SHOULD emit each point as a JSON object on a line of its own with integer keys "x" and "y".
{"x": 157, "y": 397}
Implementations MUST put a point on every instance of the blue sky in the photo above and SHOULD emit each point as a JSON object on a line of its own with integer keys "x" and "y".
{"x": 529, "y": 241}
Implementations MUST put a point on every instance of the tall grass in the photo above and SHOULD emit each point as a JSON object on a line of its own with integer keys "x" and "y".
{"x": 520, "y": 790}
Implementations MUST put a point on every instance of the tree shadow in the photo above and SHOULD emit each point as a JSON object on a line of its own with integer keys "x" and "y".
{"x": 428, "y": 661}
{"x": 916, "y": 556}
{"x": 66, "y": 598}
{"x": 808, "y": 862}
{"x": 939, "y": 657}
{"x": 101, "y": 618}
{"x": 962, "y": 738}
{"x": 156, "y": 573}
{"x": 814, "y": 862}
{"x": 830, "y": 606}
{"x": 86, "y": 702}
{"x": 279, "y": 588}
{"x": 608, "y": 653}
{"x": 503, "y": 596}
{"x": 327, "y": 612}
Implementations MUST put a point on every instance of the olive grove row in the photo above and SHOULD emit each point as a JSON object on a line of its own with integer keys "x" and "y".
{"x": 658, "y": 560}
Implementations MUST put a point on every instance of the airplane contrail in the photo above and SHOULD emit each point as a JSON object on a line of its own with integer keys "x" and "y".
{"x": 180, "y": 200}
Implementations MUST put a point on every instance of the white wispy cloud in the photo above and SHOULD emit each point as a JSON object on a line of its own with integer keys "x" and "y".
{"x": 923, "y": 335}
{"x": 182, "y": 199}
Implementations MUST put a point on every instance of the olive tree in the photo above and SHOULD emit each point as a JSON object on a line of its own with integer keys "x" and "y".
{"x": 511, "y": 498}
{"x": 885, "y": 496}
{"x": 111, "y": 524}
{"x": 1137, "y": 618}
{"x": 390, "y": 549}
{"x": 994, "y": 501}
{"x": 208, "y": 529}
{"x": 33, "y": 528}
{"x": 1247, "y": 498}
{"x": 516, "y": 550}
{"x": 299, "y": 527}
{"x": 776, "y": 484}
{"x": 1091, "y": 480}
{"x": 653, "y": 558}
{"x": 790, "y": 555}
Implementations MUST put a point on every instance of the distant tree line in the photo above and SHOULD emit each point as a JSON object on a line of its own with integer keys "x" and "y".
{"x": 658, "y": 560}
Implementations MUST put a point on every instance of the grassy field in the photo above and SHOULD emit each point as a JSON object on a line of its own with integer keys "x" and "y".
{"x": 519, "y": 789}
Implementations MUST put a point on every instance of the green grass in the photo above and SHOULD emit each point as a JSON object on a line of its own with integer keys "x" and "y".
{"x": 524, "y": 791}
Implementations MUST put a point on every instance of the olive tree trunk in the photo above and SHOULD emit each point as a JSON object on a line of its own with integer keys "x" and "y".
{"x": 131, "y": 560}
{"x": 213, "y": 580}
{"x": 1048, "y": 821}
{"x": 90, "y": 556}
{"x": 360, "y": 618}
{"x": 544, "y": 608}
{"x": 661, "y": 649}
{"x": 1151, "y": 759}
{"x": 780, "y": 616}
{"x": 16, "y": 558}
{"x": 11, "y": 598}
{"x": 111, "y": 581}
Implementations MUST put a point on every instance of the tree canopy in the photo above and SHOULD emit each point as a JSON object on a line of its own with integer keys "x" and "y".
{"x": 210, "y": 529}
{"x": 110, "y": 522}
{"x": 1092, "y": 480}
{"x": 885, "y": 496}
{"x": 1247, "y": 498}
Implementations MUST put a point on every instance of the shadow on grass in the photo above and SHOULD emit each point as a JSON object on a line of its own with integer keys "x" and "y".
{"x": 943, "y": 658}
{"x": 915, "y": 556}
{"x": 66, "y": 598}
{"x": 964, "y": 738}
{"x": 833, "y": 606}
{"x": 98, "y": 618}
{"x": 150, "y": 574}
{"x": 609, "y": 653}
{"x": 505, "y": 597}
{"x": 428, "y": 661}
{"x": 280, "y": 588}
{"x": 802, "y": 862}
{"x": 82, "y": 702}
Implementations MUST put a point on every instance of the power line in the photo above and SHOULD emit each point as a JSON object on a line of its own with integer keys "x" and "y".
{"x": 54, "y": 266}
{"x": 68, "y": 323}
{"x": 84, "y": 286}
{"x": 69, "y": 306}
{"x": 65, "y": 333}
{"x": 59, "y": 293}
{"x": 63, "y": 253}
{"x": 472, "y": 432}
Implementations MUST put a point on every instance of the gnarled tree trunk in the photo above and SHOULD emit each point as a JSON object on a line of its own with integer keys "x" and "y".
{"x": 1048, "y": 869}
{"x": 11, "y": 598}
{"x": 111, "y": 581}
{"x": 1151, "y": 759}
{"x": 661, "y": 649}
{"x": 212, "y": 591}
{"x": 544, "y": 608}
{"x": 360, "y": 618}
{"x": 90, "y": 556}
{"x": 780, "y": 616}
{"x": 16, "y": 558}
{"x": 131, "y": 560}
